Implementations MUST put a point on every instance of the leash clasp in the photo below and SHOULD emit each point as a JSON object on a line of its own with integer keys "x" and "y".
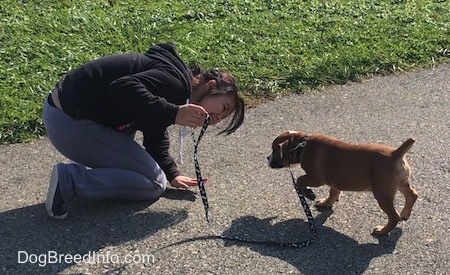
{"x": 301, "y": 144}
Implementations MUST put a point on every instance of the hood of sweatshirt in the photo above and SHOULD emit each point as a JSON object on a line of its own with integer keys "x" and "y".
{"x": 166, "y": 54}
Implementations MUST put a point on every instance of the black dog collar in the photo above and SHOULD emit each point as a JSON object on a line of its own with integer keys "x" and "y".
{"x": 298, "y": 148}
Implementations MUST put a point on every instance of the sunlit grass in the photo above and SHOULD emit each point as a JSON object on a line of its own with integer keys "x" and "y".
{"x": 273, "y": 47}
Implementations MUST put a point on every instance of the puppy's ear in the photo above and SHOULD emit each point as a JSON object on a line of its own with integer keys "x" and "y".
{"x": 284, "y": 153}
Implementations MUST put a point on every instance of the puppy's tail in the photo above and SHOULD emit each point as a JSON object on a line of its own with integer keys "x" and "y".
{"x": 400, "y": 151}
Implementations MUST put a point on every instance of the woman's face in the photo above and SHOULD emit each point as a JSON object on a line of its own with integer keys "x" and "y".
{"x": 218, "y": 106}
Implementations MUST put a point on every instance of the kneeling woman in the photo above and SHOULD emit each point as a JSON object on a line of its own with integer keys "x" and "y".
{"x": 93, "y": 112}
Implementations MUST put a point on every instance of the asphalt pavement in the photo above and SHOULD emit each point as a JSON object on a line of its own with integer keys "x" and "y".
{"x": 248, "y": 199}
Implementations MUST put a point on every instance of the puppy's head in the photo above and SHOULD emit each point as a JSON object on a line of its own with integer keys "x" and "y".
{"x": 283, "y": 149}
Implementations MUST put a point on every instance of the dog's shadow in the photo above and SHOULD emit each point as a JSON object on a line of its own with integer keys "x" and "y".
{"x": 330, "y": 252}
{"x": 91, "y": 228}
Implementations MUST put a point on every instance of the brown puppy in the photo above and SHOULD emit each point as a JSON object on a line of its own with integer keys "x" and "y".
{"x": 349, "y": 167}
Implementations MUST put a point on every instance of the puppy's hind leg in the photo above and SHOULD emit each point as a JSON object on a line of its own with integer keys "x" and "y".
{"x": 386, "y": 203}
{"x": 410, "y": 198}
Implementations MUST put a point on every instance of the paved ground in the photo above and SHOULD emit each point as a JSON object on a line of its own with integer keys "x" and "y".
{"x": 250, "y": 200}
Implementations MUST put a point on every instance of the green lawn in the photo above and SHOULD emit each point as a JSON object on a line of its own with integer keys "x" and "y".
{"x": 274, "y": 47}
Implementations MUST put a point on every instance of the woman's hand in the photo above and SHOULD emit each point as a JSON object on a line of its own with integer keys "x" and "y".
{"x": 185, "y": 182}
{"x": 190, "y": 115}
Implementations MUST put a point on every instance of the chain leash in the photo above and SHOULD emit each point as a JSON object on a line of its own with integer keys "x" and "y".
{"x": 312, "y": 225}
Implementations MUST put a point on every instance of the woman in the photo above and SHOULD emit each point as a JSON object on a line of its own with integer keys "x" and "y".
{"x": 93, "y": 112}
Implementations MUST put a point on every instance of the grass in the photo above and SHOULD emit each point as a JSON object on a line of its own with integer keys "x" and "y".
{"x": 274, "y": 47}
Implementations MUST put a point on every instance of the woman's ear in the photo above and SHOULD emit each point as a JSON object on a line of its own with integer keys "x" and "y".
{"x": 211, "y": 84}
{"x": 199, "y": 91}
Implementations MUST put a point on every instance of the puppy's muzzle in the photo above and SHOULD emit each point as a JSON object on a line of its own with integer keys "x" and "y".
{"x": 273, "y": 163}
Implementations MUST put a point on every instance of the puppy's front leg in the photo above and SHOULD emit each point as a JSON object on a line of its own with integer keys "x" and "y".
{"x": 332, "y": 198}
{"x": 302, "y": 183}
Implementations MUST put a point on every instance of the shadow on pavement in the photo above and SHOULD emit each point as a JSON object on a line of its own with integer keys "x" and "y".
{"x": 29, "y": 231}
{"x": 179, "y": 194}
{"x": 330, "y": 253}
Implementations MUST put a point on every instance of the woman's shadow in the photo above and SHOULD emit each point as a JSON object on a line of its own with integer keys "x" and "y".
{"x": 330, "y": 252}
{"x": 29, "y": 231}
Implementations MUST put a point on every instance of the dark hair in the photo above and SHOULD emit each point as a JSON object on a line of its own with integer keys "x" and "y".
{"x": 226, "y": 84}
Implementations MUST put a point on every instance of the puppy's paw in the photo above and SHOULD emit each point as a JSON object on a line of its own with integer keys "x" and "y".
{"x": 309, "y": 193}
{"x": 379, "y": 231}
{"x": 405, "y": 218}
{"x": 324, "y": 204}
{"x": 404, "y": 215}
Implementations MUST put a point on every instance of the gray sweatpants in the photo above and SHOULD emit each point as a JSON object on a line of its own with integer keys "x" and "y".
{"x": 107, "y": 164}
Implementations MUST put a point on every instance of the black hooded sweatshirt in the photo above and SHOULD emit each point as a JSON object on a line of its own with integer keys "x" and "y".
{"x": 130, "y": 92}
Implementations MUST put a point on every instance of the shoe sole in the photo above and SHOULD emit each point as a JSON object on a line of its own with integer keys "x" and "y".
{"x": 51, "y": 194}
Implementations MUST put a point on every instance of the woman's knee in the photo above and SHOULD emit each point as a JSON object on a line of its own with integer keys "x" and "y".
{"x": 161, "y": 187}
{"x": 157, "y": 186}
